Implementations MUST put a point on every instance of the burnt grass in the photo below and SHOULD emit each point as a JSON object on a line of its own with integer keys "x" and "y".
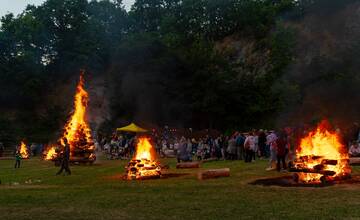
{"x": 98, "y": 192}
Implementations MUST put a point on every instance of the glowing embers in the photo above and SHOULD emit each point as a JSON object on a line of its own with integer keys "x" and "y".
{"x": 76, "y": 131}
{"x": 144, "y": 164}
{"x": 321, "y": 157}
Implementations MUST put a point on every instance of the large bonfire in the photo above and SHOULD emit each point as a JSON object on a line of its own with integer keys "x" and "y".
{"x": 321, "y": 157}
{"x": 77, "y": 130}
{"x": 144, "y": 164}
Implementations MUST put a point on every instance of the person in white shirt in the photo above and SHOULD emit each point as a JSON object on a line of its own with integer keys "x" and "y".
{"x": 250, "y": 147}
{"x": 354, "y": 150}
{"x": 271, "y": 141}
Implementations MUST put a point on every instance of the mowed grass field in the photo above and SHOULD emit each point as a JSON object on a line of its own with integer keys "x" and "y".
{"x": 98, "y": 192}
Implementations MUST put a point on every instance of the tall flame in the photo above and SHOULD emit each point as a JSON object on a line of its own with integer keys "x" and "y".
{"x": 76, "y": 131}
{"x": 24, "y": 151}
{"x": 323, "y": 144}
{"x": 77, "y": 127}
{"x": 144, "y": 150}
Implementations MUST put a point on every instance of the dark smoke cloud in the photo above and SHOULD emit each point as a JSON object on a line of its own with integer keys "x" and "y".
{"x": 326, "y": 68}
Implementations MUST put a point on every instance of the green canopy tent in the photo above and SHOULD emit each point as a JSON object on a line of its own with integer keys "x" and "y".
{"x": 132, "y": 128}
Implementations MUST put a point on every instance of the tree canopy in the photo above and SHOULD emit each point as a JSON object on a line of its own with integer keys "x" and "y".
{"x": 187, "y": 57}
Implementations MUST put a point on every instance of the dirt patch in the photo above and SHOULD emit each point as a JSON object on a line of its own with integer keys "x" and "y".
{"x": 120, "y": 177}
{"x": 287, "y": 181}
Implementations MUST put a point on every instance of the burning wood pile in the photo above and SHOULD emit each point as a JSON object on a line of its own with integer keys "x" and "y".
{"x": 76, "y": 131}
{"x": 144, "y": 164}
{"x": 321, "y": 157}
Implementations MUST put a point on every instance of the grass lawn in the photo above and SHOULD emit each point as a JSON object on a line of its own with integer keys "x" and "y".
{"x": 97, "y": 192}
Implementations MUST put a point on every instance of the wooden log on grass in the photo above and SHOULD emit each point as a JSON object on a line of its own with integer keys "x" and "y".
{"x": 188, "y": 165}
{"x": 215, "y": 173}
{"x": 354, "y": 160}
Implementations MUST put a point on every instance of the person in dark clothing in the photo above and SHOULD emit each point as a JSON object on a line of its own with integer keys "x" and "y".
{"x": 2, "y": 148}
{"x": 240, "y": 140}
{"x": 281, "y": 150}
{"x": 17, "y": 159}
{"x": 65, "y": 159}
{"x": 262, "y": 143}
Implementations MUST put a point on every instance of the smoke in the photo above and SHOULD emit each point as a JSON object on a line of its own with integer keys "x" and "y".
{"x": 143, "y": 81}
{"x": 326, "y": 65}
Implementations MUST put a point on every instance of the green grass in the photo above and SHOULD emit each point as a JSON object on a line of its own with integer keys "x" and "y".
{"x": 97, "y": 192}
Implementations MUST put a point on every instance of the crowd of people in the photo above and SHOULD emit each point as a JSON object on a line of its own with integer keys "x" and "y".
{"x": 278, "y": 147}
{"x": 250, "y": 146}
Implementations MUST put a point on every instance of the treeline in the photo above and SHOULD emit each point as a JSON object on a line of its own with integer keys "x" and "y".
{"x": 164, "y": 48}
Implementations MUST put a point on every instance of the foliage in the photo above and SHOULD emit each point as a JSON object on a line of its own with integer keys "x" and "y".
{"x": 172, "y": 41}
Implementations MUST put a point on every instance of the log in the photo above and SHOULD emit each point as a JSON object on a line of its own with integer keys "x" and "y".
{"x": 151, "y": 177}
{"x": 216, "y": 173}
{"x": 354, "y": 160}
{"x": 132, "y": 178}
{"x": 308, "y": 170}
{"x": 188, "y": 165}
{"x": 329, "y": 162}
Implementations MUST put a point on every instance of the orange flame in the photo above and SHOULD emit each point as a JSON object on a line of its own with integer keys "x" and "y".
{"x": 24, "y": 151}
{"x": 76, "y": 131}
{"x": 144, "y": 164}
{"x": 51, "y": 154}
{"x": 144, "y": 150}
{"x": 323, "y": 144}
{"x": 77, "y": 127}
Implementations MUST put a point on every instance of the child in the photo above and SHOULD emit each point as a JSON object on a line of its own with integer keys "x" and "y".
{"x": 17, "y": 159}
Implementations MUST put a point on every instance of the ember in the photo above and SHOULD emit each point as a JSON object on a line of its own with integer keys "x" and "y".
{"x": 144, "y": 164}
{"x": 321, "y": 157}
{"x": 77, "y": 130}
{"x": 24, "y": 151}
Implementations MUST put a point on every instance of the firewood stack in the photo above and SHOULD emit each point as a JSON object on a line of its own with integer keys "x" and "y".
{"x": 319, "y": 165}
{"x": 143, "y": 169}
{"x": 82, "y": 150}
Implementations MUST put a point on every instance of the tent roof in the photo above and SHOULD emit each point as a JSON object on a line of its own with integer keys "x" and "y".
{"x": 132, "y": 128}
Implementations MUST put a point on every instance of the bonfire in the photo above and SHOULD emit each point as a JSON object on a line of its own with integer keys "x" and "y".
{"x": 321, "y": 157}
{"x": 144, "y": 164}
{"x": 76, "y": 131}
{"x": 24, "y": 152}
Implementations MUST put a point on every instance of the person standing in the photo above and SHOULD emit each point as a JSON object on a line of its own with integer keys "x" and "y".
{"x": 182, "y": 153}
{"x": 240, "y": 145}
{"x": 281, "y": 151}
{"x": 271, "y": 141}
{"x": 256, "y": 145}
{"x": 224, "y": 143}
{"x": 2, "y": 148}
{"x": 17, "y": 159}
{"x": 262, "y": 143}
{"x": 354, "y": 150}
{"x": 65, "y": 159}
{"x": 249, "y": 147}
{"x": 232, "y": 148}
